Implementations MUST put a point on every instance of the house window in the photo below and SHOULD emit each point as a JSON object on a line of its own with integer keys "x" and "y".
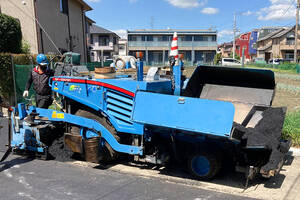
{"x": 289, "y": 56}
{"x": 160, "y": 38}
{"x": 188, "y": 38}
{"x": 213, "y": 38}
{"x": 115, "y": 40}
{"x": 92, "y": 39}
{"x": 181, "y": 38}
{"x": 149, "y": 38}
{"x": 200, "y": 38}
{"x": 64, "y": 7}
{"x": 165, "y": 38}
{"x": 143, "y": 38}
{"x": 132, "y": 38}
{"x": 103, "y": 40}
{"x": 290, "y": 41}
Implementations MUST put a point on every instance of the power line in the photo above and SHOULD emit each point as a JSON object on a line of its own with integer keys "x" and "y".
{"x": 291, "y": 4}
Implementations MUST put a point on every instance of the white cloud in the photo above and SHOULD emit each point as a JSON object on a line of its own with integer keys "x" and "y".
{"x": 210, "y": 11}
{"x": 122, "y": 33}
{"x": 247, "y": 13}
{"x": 187, "y": 3}
{"x": 93, "y": 0}
{"x": 278, "y": 10}
{"x": 225, "y": 33}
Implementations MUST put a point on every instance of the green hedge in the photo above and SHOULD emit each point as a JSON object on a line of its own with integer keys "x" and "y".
{"x": 6, "y": 77}
{"x": 10, "y": 35}
{"x": 28, "y": 59}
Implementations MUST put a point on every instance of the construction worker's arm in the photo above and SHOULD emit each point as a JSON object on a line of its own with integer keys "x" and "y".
{"x": 28, "y": 85}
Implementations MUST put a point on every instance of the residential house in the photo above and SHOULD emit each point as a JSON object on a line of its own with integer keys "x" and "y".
{"x": 278, "y": 44}
{"x": 104, "y": 43}
{"x": 226, "y": 49}
{"x": 242, "y": 45}
{"x": 123, "y": 47}
{"x": 198, "y": 46}
{"x": 264, "y": 45}
{"x": 252, "y": 44}
{"x": 50, "y": 26}
{"x": 283, "y": 44}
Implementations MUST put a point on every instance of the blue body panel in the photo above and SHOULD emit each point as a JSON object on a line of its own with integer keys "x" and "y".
{"x": 177, "y": 78}
{"x": 114, "y": 103}
{"x": 184, "y": 113}
{"x": 23, "y": 136}
{"x": 93, "y": 126}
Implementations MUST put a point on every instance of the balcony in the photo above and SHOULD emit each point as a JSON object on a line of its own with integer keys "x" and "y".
{"x": 168, "y": 44}
{"x": 287, "y": 47}
{"x": 97, "y": 47}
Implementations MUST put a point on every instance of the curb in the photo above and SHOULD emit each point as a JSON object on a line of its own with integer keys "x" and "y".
{"x": 295, "y": 151}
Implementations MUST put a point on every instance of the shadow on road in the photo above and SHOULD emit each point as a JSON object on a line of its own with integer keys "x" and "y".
{"x": 227, "y": 177}
{"x": 16, "y": 161}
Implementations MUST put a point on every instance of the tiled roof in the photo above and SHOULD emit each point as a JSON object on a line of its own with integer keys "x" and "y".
{"x": 283, "y": 32}
{"x": 271, "y": 34}
{"x": 94, "y": 29}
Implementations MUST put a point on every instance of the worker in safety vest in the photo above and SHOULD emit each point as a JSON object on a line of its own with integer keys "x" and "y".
{"x": 40, "y": 76}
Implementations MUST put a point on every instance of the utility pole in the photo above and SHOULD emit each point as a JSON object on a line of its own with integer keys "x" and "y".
{"x": 296, "y": 32}
{"x": 234, "y": 30}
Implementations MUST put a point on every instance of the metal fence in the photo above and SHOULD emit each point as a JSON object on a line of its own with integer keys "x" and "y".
{"x": 21, "y": 76}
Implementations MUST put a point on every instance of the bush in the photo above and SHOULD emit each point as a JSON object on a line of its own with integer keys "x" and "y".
{"x": 10, "y": 35}
{"x": 6, "y": 77}
{"x": 25, "y": 47}
{"x": 287, "y": 66}
{"x": 291, "y": 128}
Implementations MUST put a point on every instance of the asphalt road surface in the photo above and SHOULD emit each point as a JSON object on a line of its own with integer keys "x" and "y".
{"x": 25, "y": 178}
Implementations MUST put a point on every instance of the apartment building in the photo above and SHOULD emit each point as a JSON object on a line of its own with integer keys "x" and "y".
{"x": 104, "y": 43}
{"x": 50, "y": 26}
{"x": 197, "y": 46}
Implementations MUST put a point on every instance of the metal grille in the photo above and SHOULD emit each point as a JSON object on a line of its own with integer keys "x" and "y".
{"x": 119, "y": 106}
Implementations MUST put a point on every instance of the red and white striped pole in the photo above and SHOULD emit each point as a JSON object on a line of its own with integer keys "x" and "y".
{"x": 174, "y": 48}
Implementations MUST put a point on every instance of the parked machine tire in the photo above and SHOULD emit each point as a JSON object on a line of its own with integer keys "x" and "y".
{"x": 108, "y": 154}
{"x": 204, "y": 165}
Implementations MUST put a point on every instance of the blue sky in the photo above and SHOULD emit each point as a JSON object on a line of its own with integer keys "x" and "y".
{"x": 122, "y": 15}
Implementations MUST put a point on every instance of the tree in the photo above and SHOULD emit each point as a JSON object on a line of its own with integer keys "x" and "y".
{"x": 217, "y": 58}
{"x": 10, "y": 35}
{"x": 236, "y": 56}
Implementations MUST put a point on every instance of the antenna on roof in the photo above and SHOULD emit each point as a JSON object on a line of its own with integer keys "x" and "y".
{"x": 152, "y": 22}
{"x": 212, "y": 28}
